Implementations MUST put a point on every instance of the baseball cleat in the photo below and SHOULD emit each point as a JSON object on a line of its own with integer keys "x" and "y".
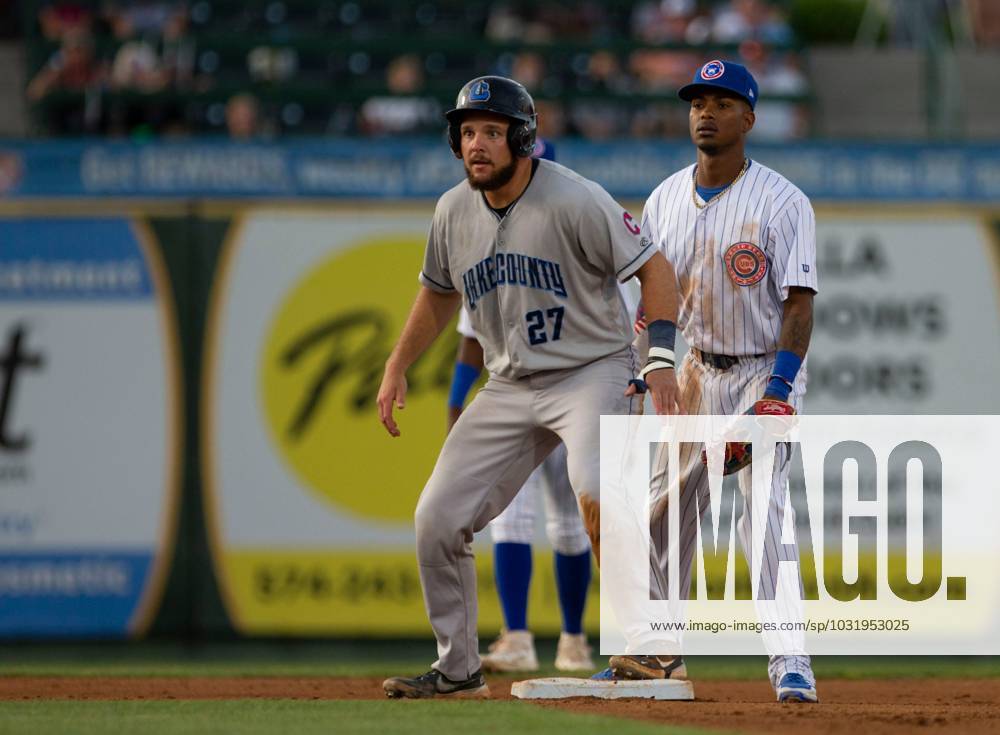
{"x": 573, "y": 653}
{"x": 604, "y": 675}
{"x": 795, "y": 688}
{"x": 648, "y": 667}
{"x": 436, "y": 684}
{"x": 514, "y": 650}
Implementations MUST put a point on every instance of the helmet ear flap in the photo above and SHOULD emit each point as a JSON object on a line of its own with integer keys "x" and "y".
{"x": 521, "y": 138}
{"x": 515, "y": 139}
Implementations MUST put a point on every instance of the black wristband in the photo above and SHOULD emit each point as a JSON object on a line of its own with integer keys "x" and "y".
{"x": 662, "y": 333}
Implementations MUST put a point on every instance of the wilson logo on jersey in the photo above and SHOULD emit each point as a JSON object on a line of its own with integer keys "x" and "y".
{"x": 512, "y": 269}
{"x": 745, "y": 263}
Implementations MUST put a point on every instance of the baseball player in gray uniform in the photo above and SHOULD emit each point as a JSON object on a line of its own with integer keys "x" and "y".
{"x": 742, "y": 240}
{"x": 534, "y": 251}
{"x": 513, "y": 532}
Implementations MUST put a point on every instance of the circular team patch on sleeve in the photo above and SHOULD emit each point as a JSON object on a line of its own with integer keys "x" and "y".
{"x": 745, "y": 263}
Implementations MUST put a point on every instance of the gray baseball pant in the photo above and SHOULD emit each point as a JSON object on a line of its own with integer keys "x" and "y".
{"x": 504, "y": 434}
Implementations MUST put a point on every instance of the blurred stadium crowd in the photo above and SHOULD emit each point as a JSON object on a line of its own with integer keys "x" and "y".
{"x": 598, "y": 70}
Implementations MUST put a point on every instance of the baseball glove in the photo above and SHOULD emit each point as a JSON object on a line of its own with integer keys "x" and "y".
{"x": 738, "y": 453}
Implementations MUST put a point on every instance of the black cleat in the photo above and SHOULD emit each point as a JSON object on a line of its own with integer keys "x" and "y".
{"x": 648, "y": 667}
{"x": 436, "y": 684}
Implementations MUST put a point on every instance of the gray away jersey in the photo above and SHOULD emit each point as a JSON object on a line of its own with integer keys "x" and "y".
{"x": 736, "y": 258}
{"x": 540, "y": 285}
{"x": 630, "y": 298}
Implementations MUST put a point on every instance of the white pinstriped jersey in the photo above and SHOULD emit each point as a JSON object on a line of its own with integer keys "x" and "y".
{"x": 464, "y": 326}
{"x": 736, "y": 258}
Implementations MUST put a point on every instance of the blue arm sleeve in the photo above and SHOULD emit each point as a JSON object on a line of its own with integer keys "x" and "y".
{"x": 786, "y": 367}
{"x": 462, "y": 380}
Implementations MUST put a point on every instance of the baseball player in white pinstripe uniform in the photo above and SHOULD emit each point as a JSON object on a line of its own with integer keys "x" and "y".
{"x": 742, "y": 241}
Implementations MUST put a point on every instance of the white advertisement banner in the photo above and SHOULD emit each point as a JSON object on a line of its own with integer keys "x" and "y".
{"x": 907, "y": 319}
{"x": 89, "y": 427}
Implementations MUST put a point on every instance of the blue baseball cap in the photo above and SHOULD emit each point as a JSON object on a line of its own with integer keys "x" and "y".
{"x": 722, "y": 75}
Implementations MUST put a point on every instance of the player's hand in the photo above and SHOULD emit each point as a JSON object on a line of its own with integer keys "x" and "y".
{"x": 662, "y": 387}
{"x": 739, "y": 454}
{"x": 392, "y": 390}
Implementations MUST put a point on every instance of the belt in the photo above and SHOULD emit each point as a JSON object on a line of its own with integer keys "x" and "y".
{"x": 721, "y": 362}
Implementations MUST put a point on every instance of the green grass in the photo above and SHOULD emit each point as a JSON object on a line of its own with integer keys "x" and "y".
{"x": 352, "y": 658}
{"x": 302, "y": 718}
{"x": 382, "y": 658}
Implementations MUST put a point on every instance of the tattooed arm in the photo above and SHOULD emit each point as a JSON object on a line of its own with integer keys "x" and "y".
{"x": 796, "y": 329}
{"x": 797, "y": 322}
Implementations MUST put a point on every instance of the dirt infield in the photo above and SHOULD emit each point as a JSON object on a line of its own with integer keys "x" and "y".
{"x": 873, "y": 706}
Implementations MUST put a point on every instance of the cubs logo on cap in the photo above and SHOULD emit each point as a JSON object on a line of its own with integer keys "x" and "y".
{"x": 713, "y": 70}
{"x": 727, "y": 75}
{"x": 480, "y": 92}
{"x": 746, "y": 263}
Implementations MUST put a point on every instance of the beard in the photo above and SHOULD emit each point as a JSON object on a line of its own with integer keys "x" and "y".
{"x": 497, "y": 180}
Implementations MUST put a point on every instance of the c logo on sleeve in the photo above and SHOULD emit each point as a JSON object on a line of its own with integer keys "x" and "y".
{"x": 745, "y": 263}
{"x": 630, "y": 223}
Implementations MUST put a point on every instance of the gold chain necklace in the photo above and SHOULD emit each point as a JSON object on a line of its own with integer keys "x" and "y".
{"x": 694, "y": 189}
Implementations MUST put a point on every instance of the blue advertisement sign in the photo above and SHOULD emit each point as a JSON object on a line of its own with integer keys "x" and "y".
{"x": 426, "y": 169}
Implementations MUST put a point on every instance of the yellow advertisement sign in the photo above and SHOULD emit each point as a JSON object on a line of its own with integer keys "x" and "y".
{"x": 310, "y": 502}
{"x": 358, "y": 593}
{"x": 320, "y": 368}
